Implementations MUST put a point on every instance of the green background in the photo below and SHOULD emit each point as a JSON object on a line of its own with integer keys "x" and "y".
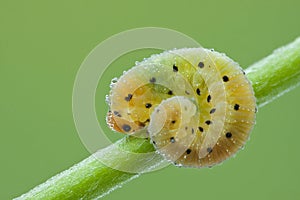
{"x": 43, "y": 43}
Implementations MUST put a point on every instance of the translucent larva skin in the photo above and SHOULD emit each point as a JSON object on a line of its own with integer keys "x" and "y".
{"x": 197, "y": 104}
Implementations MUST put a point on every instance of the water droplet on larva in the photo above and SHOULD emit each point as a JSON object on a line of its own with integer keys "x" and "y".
{"x": 107, "y": 99}
{"x": 114, "y": 80}
{"x": 178, "y": 164}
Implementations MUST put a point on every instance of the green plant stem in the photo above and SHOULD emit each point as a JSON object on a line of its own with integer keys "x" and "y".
{"x": 271, "y": 77}
{"x": 276, "y": 74}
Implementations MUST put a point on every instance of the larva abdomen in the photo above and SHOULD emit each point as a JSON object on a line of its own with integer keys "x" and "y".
{"x": 158, "y": 92}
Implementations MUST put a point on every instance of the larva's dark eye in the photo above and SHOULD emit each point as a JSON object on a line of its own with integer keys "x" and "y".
{"x": 197, "y": 105}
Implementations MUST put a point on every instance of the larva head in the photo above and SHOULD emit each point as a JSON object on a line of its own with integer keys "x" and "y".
{"x": 133, "y": 100}
{"x": 212, "y": 84}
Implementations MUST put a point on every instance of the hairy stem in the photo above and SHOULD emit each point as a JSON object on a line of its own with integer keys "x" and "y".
{"x": 271, "y": 77}
{"x": 276, "y": 74}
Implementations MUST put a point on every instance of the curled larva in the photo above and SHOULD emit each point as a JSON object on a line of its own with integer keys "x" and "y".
{"x": 197, "y": 105}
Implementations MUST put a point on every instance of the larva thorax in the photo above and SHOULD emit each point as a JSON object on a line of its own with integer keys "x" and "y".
{"x": 197, "y": 105}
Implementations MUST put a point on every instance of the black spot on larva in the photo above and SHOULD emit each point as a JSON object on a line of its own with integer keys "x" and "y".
{"x": 157, "y": 111}
{"x": 212, "y": 111}
{"x": 188, "y": 151}
{"x": 208, "y": 98}
{"x": 126, "y": 127}
{"x": 201, "y": 64}
{"x": 152, "y": 80}
{"x": 129, "y": 97}
{"x": 175, "y": 68}
{"x": 228, "y": 135}
{"x": 117, "y": 114}
{"x": 173, "y": 121}
{"x": 255, "y": 110}
{"x": 225, "y": 78}
{"x": 209, "y": 149}
{"x": 140, "y": 124}
{"x": 170, "y": 92}
{"x": 236, "y": 107}
{"x": 148, "y": 105}
{"x": 172, "y": 139}
{"x": 153, "y": 142}
{"x": 187, "y": 92}
{"x": 198, "y": 91}
{"x": 186, "y": 128}
{"x": 193, "y": 131}
{"x": 200, "y": 129}
{"x": 208, "y": 122}
{"x": 243, "y": 72}
{"x": 148, "y": 120}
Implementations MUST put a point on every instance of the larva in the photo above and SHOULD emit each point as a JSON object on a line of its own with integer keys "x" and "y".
{"x": 197, "y": 105}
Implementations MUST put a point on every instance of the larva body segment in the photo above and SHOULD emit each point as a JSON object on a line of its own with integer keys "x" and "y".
{"x": 198, "y": 105}
{"x": 173, "y": 126}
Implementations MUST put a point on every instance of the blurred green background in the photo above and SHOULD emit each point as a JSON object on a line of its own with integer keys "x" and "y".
{"x": 43, "y": 43}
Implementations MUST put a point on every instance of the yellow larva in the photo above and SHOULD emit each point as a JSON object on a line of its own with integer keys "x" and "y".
{"x": 197, "y": 104}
